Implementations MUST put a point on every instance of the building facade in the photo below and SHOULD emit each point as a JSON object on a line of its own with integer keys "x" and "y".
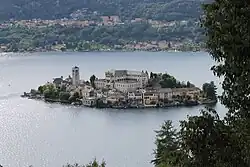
{"x": 125, "y": 86}
{"x": 123, "y": 80}
{"x": 151, "y": 98}
{"x": 100, "y": 83}
{"x": 165, "y": 93}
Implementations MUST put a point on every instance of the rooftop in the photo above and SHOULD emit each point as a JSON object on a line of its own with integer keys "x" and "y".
{"x": 125, "y": 72}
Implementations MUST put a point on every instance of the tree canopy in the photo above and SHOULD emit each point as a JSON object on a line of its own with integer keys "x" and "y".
{"x": 92, "y": 80}
{"x": 208, "y": 140}
{"x": 23, "y": 38}
{"x": 167, "y": 81}
{"x": 94, "y": 163}
{"x": 209, "y": 90}
{"x": 126, "y": 9}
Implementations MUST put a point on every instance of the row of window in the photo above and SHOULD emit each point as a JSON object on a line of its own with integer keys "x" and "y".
{"x": 128, "y": 85}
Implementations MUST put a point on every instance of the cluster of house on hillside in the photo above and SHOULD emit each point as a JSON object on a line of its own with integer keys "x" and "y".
{"x": 124, "y": 88}
{"x": 104, "y": 20}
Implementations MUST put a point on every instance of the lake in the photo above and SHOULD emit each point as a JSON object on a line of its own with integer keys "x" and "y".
{"x": 51, "y": 135}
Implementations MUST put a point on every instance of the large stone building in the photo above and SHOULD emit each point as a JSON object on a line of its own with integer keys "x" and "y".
{"x": 123, "y": 80}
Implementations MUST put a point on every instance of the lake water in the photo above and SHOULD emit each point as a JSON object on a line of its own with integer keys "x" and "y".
{"x": 50, "y": 135}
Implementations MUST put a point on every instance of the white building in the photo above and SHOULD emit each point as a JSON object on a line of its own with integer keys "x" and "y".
{"x": 100, "y": 83}
{"x": 121, "y": 75}
{"x": 75, "y": 76}
{"x": 123, "y": 80}
{"x": 127, "y": 85}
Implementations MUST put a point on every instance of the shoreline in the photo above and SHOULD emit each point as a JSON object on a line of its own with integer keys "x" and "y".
{"x": 99, "y": 51}
{"x": 117, "y": 107}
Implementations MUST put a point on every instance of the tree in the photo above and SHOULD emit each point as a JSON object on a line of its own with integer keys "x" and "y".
{"x": 204, "y": 140}
{"x": 94, "y": 163}
{"x": 168, "y": 81}
{"x": 167, "y": 145}
{"x": 92, "y": 80}
{"x": 209, "y": 90}
{"x": 41, "y": 89}
{"x": 50, "y": 91}
{"x": 207, "y": 140}
{"x": 227, "y": 26}
{"x": 86, "y": 46}
{"x": 64, "y": 96}
{"x": 151, "y": 75}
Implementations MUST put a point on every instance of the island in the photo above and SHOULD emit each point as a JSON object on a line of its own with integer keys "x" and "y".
{"x": 124, "y": 89}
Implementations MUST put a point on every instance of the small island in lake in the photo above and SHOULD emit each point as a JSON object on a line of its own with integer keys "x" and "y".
{"x": 124, "y": 89}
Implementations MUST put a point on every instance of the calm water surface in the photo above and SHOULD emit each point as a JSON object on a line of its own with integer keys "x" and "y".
{"x": 50, "y": 135}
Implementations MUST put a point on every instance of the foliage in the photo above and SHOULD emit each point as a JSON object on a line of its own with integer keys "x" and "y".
{"x": 41, "y": 89}
{"x": 190, "y": 85}
{"x": 92, "y": 80}
{"x": 94, "y": 163}
{"x": 126, "y": 9}
{"x": 203, "y": 140}
{"x": 209, "y": 90}
{"x": 227, "y": 26}
{"x": 230, "y": 50}
{"x": 50, "y": 91}
{"x": 167, "y": 145}
{"x": 167, "y": 81}
{"x": 22, "y": 38}
{"x": 207, "y": 140}
{"x": 64, "y": 96}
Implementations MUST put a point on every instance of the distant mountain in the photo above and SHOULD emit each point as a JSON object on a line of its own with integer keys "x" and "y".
{"x": 126, "y": 9}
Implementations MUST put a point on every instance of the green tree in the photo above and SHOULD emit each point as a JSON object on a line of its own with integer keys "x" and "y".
{"x": 41, "y": 89}
{"x": 64, "y": 95}
{"x": 92, "y": 80}
{"x": 168, "y": 81}
{"x": 94, "y": 163}
{"x": 207, "y": 140}
{"x": 151, "y": 75}
{"x": 209, "y": 89}
{"x": 50, "y": 91}
{"x": 227, "y": 26}
{"x": 167, "y": 145}
{"x": 86, "y": 46}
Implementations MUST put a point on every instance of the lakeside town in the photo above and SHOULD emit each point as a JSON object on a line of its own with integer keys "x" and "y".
{"x": 122, "y": 89}
{"x": 100, "y": 34}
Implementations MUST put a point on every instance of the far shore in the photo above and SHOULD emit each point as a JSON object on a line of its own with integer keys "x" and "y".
{"x": 70, "y": 51}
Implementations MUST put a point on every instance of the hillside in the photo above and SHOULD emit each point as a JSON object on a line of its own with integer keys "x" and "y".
{"x": 126, "y": 9}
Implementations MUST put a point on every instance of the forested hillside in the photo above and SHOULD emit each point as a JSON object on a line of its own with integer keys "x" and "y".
{"x": 126, "y": 9}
